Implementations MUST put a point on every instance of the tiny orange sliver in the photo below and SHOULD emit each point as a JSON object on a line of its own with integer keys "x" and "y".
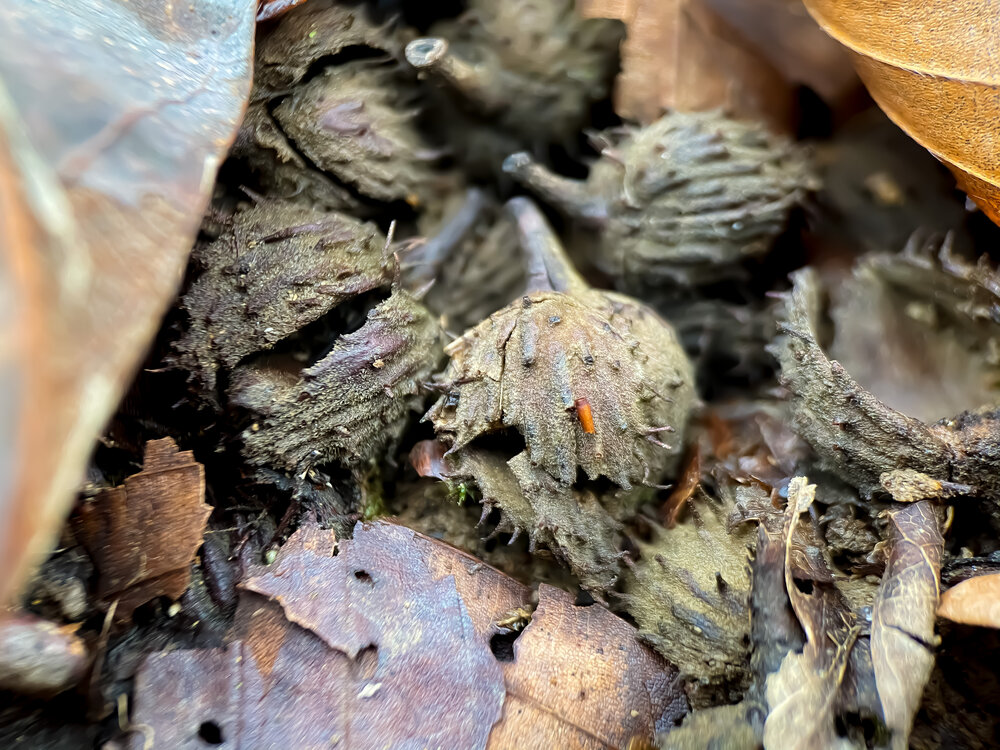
{"x": 585, "y": 414}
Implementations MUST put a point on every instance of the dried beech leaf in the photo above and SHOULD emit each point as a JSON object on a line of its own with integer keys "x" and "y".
{"x": 975, "y": 601}
{"x": 903, "y": 615}
{"x": 802, "y": 695}
{"x": 680, "y": 54}
{"x": 113, "y": 119}
{"x": 581, "y": 679}
{"x": 933, "y": 66}
{"x": 385, "y": 656}
{"x": 784, "y": 33}
{"x": 391, "y": 648}
{"x": 143, "y": 535}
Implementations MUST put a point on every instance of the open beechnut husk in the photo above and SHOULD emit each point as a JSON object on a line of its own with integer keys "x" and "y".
{"x": 279, "y": 278}
{"x": 563, "y": 408}
{"x": 908, "y": 407}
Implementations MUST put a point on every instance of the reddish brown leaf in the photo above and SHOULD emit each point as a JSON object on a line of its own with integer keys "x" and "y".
{"x": 394, "y": 648}
{"x": 581, "y": 679}
{"x": 975, "y": 601}
{"x": 143, "y": 535}
{"x": 933, "y": 66}
{"x": 903, "y": 615}
{"x": 113, "y": 119}
{"x": 679, "y": 54}
{"x": 385, "y": 656}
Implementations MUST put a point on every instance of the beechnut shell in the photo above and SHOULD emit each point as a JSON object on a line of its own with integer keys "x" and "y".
{"x": 591, "y": 380}
{"x": 685, "y": 199}
{"x": 854, "y": 431}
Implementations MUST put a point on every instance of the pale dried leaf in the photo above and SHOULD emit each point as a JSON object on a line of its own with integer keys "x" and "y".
{"x": 975, "y": 601}
{"x": 802, "y": 695}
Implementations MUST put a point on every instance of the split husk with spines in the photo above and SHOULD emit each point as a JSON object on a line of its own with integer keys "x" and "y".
{"x": 532, "y": 365}
{"x": 855, "y": 433}
{"x": 275, "y": 267}
{"x": 563, "y": 406}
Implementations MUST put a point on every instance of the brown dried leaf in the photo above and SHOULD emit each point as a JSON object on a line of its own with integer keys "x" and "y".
{"x": 903, "y": 615}
{"x": 680, "y": 54}
{"x": 394, "y": 648}
{"x": 784, "y": 33}
{"x": 975, "y": 601}
{"x": 384, "y": 656}
{"x": 143, "y": 535}
{"x": 114, "y": 117}
{"x": 581, "y": 679}
{"x": 802, "y": 695}
{"x": 933, "y": 66}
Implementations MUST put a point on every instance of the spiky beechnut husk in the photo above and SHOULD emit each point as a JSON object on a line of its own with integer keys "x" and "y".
{"x": 684, "y": 200}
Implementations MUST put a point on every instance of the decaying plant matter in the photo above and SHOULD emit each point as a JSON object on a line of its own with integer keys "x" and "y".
{"x": 684, "y": 200}
{"x": 636, "y": 464}
{"x": 858, "y": 435}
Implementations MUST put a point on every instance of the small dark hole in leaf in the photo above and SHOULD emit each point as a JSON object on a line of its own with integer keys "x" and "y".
{"x": 583, "y": 598}
{"x": 806, "y": 587}
{"x": 366, "y": 663}
{"x": 502, "y": 644}
{"x": 363, "y": 575}
{"x": 211, "y": 733}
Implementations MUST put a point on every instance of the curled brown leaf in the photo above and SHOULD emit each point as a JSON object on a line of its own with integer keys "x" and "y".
{"x": 903, "y": 615}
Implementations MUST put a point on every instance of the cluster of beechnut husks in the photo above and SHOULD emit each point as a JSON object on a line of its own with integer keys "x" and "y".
{"x": 372, "y": 282}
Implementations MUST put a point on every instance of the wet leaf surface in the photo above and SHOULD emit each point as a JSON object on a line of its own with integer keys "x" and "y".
{"x": 143, "y": 535}
{"x": 114, "y": 119}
